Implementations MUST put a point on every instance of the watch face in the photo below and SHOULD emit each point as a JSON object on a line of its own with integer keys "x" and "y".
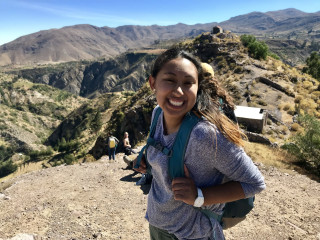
{"x": 198, "y": 202}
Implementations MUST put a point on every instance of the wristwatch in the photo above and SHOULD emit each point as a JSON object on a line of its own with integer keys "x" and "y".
{"x": 199, "y": 200}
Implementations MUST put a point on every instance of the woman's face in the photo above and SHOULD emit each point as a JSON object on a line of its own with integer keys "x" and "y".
{"x": 176, "y": 87}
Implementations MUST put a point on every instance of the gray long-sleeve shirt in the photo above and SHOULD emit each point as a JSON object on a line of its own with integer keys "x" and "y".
{"x": 209, "y": 156}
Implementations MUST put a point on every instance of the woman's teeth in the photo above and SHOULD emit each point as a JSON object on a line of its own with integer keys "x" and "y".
{"x": 175, "y": 103}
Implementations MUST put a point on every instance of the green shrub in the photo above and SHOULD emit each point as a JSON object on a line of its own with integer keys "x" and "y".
{"x": 257, "y": 49}
{"x": 3, "y": 127}
{"x": 306, "y": 145}
{"x": 313, "y": 65}
{"x": 7, "y": 167}
{"x": 238, "y": 69}
{"x": 68, "y": 146}
{"x": 63, "y": 95}
{"x": 5, "y": 153}
{"x": 273, "y": 55}
{"x": 247, "y": 39}
{"x": 262, "y": 102}
{"x": 25, "y": 117}
{"x": 96, "y": 123}
{"x": 69, "y": 159}
{"x": 39, "y": 155}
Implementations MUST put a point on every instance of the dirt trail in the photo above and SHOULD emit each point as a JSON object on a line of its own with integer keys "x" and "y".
{"x": 100, "y": 200}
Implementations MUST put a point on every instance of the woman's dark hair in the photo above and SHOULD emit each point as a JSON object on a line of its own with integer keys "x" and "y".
{"x": 208, "y": 105}
{"x": 173, "y": 53}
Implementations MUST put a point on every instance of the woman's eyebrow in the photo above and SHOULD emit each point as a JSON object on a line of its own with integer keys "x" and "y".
{"x": 173, "y": 74}
{"x": 170, "y": 73}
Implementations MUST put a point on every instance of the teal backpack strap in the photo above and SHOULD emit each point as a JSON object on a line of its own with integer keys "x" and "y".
{"x": 140, "y": 157}
{"x": 155, "y": 121}
{"x": 150, "y": 138}
{"x": 176, "y": 160}
{"x": 211, "y": 214}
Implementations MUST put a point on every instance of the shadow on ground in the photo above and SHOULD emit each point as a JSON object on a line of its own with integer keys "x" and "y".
{"x": 135, "y": 177}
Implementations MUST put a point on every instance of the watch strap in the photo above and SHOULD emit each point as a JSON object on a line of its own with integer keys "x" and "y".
{"x": 199, "y": 200}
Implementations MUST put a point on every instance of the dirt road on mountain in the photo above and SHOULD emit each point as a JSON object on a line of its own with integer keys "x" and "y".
{"x": 100, "y": 200}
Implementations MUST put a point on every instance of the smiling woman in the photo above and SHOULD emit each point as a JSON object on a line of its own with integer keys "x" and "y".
{"x": 212, "y": 153}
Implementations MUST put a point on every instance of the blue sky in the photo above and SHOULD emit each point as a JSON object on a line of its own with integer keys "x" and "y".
{"x": 22, "y": 17}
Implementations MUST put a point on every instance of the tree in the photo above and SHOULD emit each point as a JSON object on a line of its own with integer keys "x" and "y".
{"x": 96, "y": 123}
{"x": 306, "y": 145}
{"x": 247, "y": 39}
{"x": 313, "y": 65}
{"x": 257, "y": 49}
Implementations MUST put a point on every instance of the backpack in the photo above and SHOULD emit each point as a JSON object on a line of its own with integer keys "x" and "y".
{"x": 233, "y": 212}
{"x": 112, "y": 142}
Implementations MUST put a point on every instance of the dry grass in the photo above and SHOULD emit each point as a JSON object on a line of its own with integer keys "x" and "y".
{"x": 7, "y": 181}
{"x": 275, "y": 157}
{"x": 6, "y": 184}
{"x": 269, "y": 156}
{"x": 22, "y": 169}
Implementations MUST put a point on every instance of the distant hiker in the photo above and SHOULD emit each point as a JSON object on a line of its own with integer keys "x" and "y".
{"x": 112, "y": 145}
{"x": 126, "y": 144}
{"x": 214, "y": 151}
{"x": 145, "y": 178}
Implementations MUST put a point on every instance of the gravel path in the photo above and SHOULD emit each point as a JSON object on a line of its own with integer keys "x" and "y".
{"x": 100, "y": 200}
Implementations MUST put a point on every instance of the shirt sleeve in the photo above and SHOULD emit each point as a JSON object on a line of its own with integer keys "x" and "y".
{"x": 219, "y": 154}
{"x": 234, "y": 163}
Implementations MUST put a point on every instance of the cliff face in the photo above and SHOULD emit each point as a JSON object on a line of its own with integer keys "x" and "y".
{"x": 132, "y": 116}
{"x": 29, "y": 112}
{"x": 126, "y": 72}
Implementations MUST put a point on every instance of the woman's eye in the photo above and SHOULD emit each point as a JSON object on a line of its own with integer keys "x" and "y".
{"x": 169, "y": 80}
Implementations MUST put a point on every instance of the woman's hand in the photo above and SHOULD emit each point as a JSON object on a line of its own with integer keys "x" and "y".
{"x": 143, "y": 166}
{"x": 184, "y": 189}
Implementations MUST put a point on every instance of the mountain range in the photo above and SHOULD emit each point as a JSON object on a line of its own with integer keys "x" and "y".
{"x": 87, "y": 42}
{"x": 69, "y": 120}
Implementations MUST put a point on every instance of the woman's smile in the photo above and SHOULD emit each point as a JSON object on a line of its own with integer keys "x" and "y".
{"x": 176, "y": 103}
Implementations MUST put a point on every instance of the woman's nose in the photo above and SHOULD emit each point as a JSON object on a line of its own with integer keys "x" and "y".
{"x": 179, "y": 90}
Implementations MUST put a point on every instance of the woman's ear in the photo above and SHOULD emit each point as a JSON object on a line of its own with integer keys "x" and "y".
{"x": 152, "y": 83}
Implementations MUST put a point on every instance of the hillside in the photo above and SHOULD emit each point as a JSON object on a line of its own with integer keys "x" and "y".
{"x": 100, "y": 201}
{"x": 30, "y": 112}
{"x": 87, "y": 42}
{"x": 125, "y": 72}
{"x": 80, "y": 133}
{"x": 73, "y": 43}
{"x": 275, "y": 23}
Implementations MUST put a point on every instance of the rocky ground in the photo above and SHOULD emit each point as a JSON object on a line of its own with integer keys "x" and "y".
{"x": 100, "y": 200}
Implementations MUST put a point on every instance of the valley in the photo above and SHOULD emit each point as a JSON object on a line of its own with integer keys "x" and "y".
{"x": 56, "y": 113}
